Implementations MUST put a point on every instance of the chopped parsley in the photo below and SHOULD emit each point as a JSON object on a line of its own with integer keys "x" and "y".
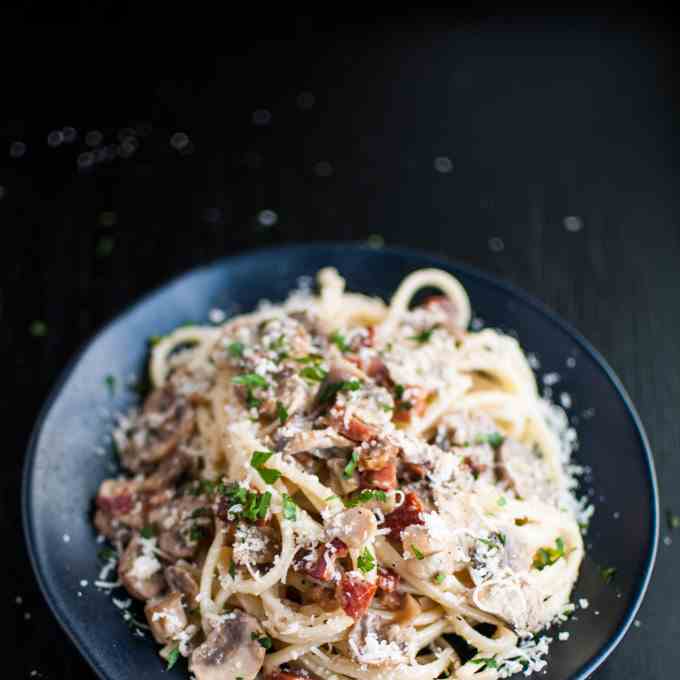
{"x": 399, "y": 391}
{"x": 258, "y": 460}
{"x": 232, "y": 569}
{"x": 386, "y": 407}
{"x": 107, "y": 554}
{"x": 494, "y": 439}
{"x": 404, "y": 406}
{"x": 673, "y": 521}
{"x": 366, "y": 561}
{"x": 250, "y": 380}
{"x": 424, "y": 335}
{"x": 501, "y": 501}
{"x": 254, "y": 505}
{"x": 338, "y": 339}
{"x": 172, "y": 657}
{"x": 310, "y": 359}
{"x": 366, "y": 496}
{"x": 327, "y": 392}
{"x": 235, "y": 349}
{"x": 607, "y": 574}
{"x": 196, "y": 534}
{"x": 439, "y": 578}
{"x": 313, "y": 373}
{"x": 332, "y": 498}
{"x": 110, "y": 381}
{"x": 265, "y": 640}
{"x": 545, "y": 557}
{"x": 289, "y": 508}
{"x": 351, "y": 465}
{"x": 153, "y": 340}
{"x": 281, "y": 412}
{"x": 418, "y": 555}
{"x": 147, "y": 532}
{"x": 38, "y": 329}
{"x": 484, "y": 663}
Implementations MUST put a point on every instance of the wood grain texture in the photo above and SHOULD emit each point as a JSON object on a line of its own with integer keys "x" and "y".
{"x": 541, "y": 120}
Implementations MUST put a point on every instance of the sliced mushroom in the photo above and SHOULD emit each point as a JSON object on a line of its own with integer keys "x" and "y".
{"x": 375, "y": 643}
{"x": 231, "y": 651}
{"x": 140, "y": 571}
{"x": 166, "y": 617}
{"x": 354, "y": 527}
{"x": 183, "y": 578}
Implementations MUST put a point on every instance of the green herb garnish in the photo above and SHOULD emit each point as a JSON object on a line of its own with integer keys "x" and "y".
{"x": 338, "y": 339}
{"x": 173, "y": 655}
{"x": 501, "y": 501}
{"x": 289, "y": 508}
{"x": 366, "y": 561}
{"x": 494, "y": 439}
{"x": 399, "y": 391}
{"x": 418, "y": 555}
{"x": 327, "y": 392}
{"x": 281, "y": 412}
{"x": 545, "y": 557}
{"x": 439, "y": 578}
{"x": 235, "y": 349}
{"x": 265, "y": 640}
{"x": 232, "y": 569}
{"x": 111, "y": 384}
{"x": 258, "y": 460}
{"x": 366, "y": 496}
{"x": 424, "y": 335}
{"x": 607, "y": 574}
{"x": 351, "y": 465}
{"x": 489, "y": 662}
{"x": 250, "y": 380}
{"x": 107, "y": 554}
{"x": 38, "y": 329}
{"x": 313, "y": 373}
{"x": 147, "y": 532}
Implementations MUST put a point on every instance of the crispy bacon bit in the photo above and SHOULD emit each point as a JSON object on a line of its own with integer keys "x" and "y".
{"x": 117, "y": 497}
{"x": 355, "y": 429}
{"x": 412, "y": 472}
{"x": 322, "y": 568}
{"x": 413, "y": 404}
{"x": 355, "y": 594}
{"x": 385, "y": 478}
{"x": 405, "y": 515}
{"x": 387, "y": 580}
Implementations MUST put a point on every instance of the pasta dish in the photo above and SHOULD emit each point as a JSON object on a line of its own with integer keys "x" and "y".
{"x": 335, "y": 488}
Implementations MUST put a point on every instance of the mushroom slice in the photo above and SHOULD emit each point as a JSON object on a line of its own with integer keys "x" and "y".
{"x": 231, "y": 650}
{"x": 166, "y": 617}
{"x": 139, "y": 570}
{"x": 183, "y": 577}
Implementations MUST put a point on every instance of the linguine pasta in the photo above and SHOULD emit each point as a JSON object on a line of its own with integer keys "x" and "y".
{"x": 336, "y": 488}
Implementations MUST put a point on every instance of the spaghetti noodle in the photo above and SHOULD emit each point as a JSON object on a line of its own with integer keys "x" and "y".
{"x": 336, "y": 488}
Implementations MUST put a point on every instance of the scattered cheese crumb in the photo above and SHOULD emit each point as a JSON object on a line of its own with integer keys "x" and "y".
{"x": 583, "y": 603}
{"x": 66, "y": 538}
{"x": 563, "y": 636}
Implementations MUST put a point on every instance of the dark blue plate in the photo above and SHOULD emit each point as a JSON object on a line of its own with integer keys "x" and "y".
{"x": 65, "y": 460}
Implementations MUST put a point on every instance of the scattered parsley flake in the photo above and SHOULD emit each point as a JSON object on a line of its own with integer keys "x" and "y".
{"x": 232, "y": 569}
{"x": 501, "y": 501}
{"x": 235, "y": 349}
{"x": 281, "y": 412}
{"x": 327, "y": 392}
{"x": 313, "y": 373}
{"x": 366, "y": 496}
{"x": 366, "y": 561}
{"x": 418, "y": 555}
{"x": 258, "y": 460}
{"x": 38, "y": 329}
{"x": 439, "y": 578}
{"x": 607, "y": 574}
{"x": 546, "y": 557}
{"x": 424, "y": 335}
{"x": 265, "y": 640}
{"x": 250, "y": 380}
{"x": 338, "y": 339}
{"x": 172, "y": 657}
{"x": 488, "y": 662}
{"x": 351, "y": 465}
{"x": 399, "y": 391}
{"x": 289, "y": 508}
{"x": 494, "y": 439}
{"x": 107, "y": 554}
{"x": 111, "y": 384}
{"x": 147, "y": 532}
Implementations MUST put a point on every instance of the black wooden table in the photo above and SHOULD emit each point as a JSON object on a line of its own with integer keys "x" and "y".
{"x": 542, "y": 151}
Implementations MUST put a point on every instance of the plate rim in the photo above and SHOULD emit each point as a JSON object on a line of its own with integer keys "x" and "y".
{"x": 327, "y": 247}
